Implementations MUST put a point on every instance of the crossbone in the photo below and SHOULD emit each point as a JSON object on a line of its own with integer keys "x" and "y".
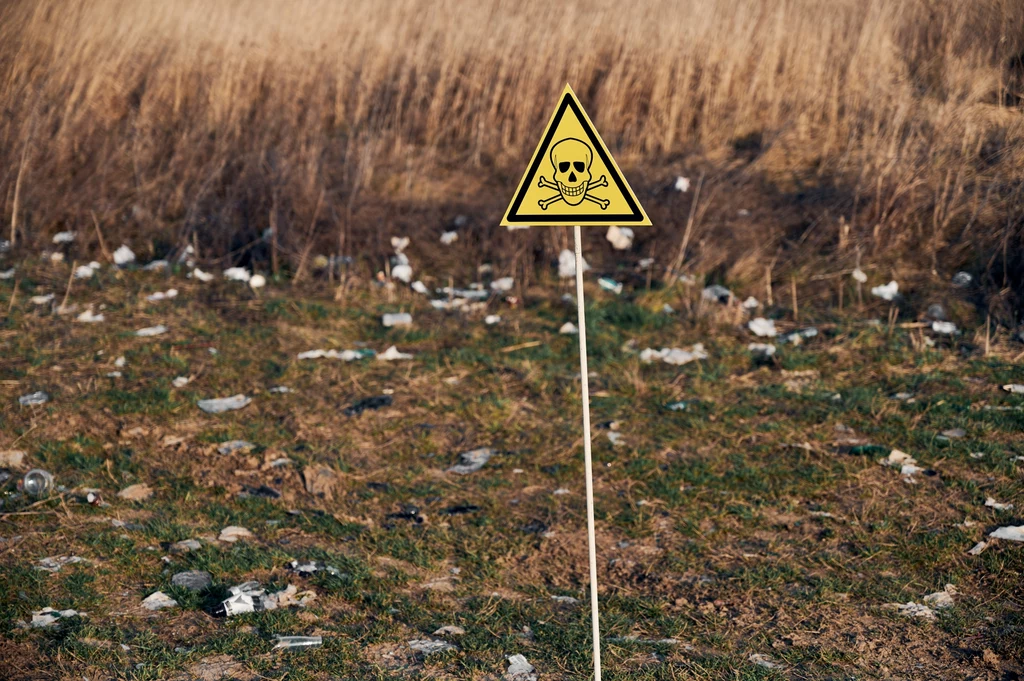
{"x": 544, "y": 203}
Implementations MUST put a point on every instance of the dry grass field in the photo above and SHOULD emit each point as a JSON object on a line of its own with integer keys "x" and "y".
{"x": 892, "y": 129}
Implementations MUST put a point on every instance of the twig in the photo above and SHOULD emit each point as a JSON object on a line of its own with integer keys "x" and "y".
{"x": 678, "y": 263}
{"x": 522, "y": 346}
{"x": 14, "y": 296}
{"x": 99, "y": 235}
{"x": 67, "y": 292}
{"x": 300, "y": 271}
{"x": 17, "y": 191}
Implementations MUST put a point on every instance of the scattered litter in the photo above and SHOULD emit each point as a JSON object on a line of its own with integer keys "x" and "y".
{"x": 403, "y": 270}
{"x": 90, "y": 317}
{"x": 762, "y": 327}
{"x": 392, "y": 354}
{"x": 676, "y": 356}
{"x": 193, "y": 580}
{"x": 962, "y": 279}
{"x": 397, "y": 319}
{"x": 887, "y": 292}
{"x": 162, "y": 295}
{"x": 220, "y": 405}
{"x": 565, "y": 599}
{"x": 492, "y": 319}
{"x": 420, "y": 287}
{"x": 37, "y": 483}
{"x": 945, "y": 328}
{"x": 1013, "y": 533}
{"x": 399, "y": 243}
{"x": 610, "y": 285}
{"x": 762, "y": 350}
{"x": 84, "y": 271}
{"x": 8, "y": 274}
{"x": 180, "y": 381}
{"x": 42, "y": 300}
{"x": 372, "y": 403}
{"x": 232, "y": 446}
{"x": 954, "y": 433}
{"x": 55, "y": 257}
{"x": 123, "y": 256}
{"x": 185, "y": 545}
{"x": 33, "y": 399}
{"x": 906, "y": 463}
{"x": 912, "y": 609}
{"x": 519, "y": 669}
{"x": 257, "y": 281}
{"x": 448, "y": 238}
{"x": 682, "y": 184}
{"x": 156, "y": 266}
{"x": 1014, "y": 388}
{"x": 561, "y": 491}
{"x": 567, "y": 264}
{"x": 247, "y": 597}
{"x": 47, "y": 617}
{"x": 762, "y": 660}
{"x": 568, "y": 329}
{"x": 978, "y": 548}
{"x": 202, "y": 276}
{"x": 621, "y": 238}
{"x": 941, "y": 599}
{"x": 63, "y": 237}
{"x": 716, "y": 294}
{"x": 644, "y": 264}
{"x": 678, "y": 406}
{"x": 472, "y": 461}
{"x": 614, "y": 438}
{"x": 312, "y": 567}
{"x": 151, "y": 331}
{"x": 55, "y": 563}
{"x": 450, "y": 630}
{"x": 751, "y": 303}
{"x": 429, "y": 646}
{"x": 138, "y": 492}
{"x": 977, "y": 455}
{"x": 237, "y": 274}
{"x": 289, "y": 642}
{"x": 344, "y": 355}
{"x": 12, "y": 458}
{"x": 503, "y": 285}
{"x": 158, "y": 600}
{"x": 233, "y": 533}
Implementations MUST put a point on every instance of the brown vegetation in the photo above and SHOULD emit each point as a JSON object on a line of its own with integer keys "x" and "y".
{"x": 888, "y": 129}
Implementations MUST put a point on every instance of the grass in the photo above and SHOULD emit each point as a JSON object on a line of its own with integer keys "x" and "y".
{"x": 739, "y": 525}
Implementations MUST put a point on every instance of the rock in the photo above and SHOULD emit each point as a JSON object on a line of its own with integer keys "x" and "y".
{"x": 233, "y": 533}
{"x": 222, "y": 404}
{"x": 193, "y": 580}
{"x": 185, "y": 545}
{"x": 450, "y": 630}
{"x": 472, "y": 461}
{"x": 158, "y": 600}
{"x": 320, "y": 481}
{"x": 429, "y": 647}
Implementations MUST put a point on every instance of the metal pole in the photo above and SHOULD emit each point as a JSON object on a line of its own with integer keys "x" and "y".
{"x": 587, "y": 462}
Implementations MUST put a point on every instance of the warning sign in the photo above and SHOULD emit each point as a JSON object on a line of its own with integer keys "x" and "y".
{"x": 572, "y": 179}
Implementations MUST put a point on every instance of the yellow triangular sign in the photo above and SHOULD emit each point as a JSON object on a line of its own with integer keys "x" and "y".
{"x": 572, "y": 179}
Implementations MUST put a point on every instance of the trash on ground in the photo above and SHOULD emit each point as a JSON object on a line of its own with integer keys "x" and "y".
{"x": 397, "y": 319}
{"x": 568, "y": 329}
{"x": 280, "y": 389}
{"x": 138, "y": 492}
{"x": 886, "y": 292}
{"x": 682, "y": 184}
{"x": 392, "y": 354}
{"x": 232, "y": 446}
{"x": 33, "y": 399}
{"x": 403, "y": 270}
{"x": 37, "y": 483}
{"x": 751, "y": 303}
{"x": 519, "y": 669}
{"x": 156, "y": 266}
{"x": 85, "y": 271}
{"x": 237, "y": 274}
{"x": 962, "y": 279}
{"x": 859, "y": 276}
{"x": 765, "y": 661}
{"x": 55, "y": 563}
{"x": 941, "y": 599}
{"x": 123, "y": 256}
{"x": 945, "y": 328}
{"x": 716, "y": 294}
{"x": 1014, "y": 388}
{"x": 47, "y": 617}
{"x": 1010, "y": 532}
{"x": 372, "y": 403}
{"x": 312, "y": 567}
{"x": 202, "y": 276}
{"x": 12, "y": 458}
{"x": 906, "y": 463}
{"x": 420, "y": 287}
{"x": 610, "y": 285}
{"x": 180, "y": 381}
{"x": 450, "y": 630}
{"x": 158, "y": 600}
{"x": 492, "y": 319}
{"x": 289, "y": 642}
{"x": 185, "y": 545}
{"x": 257, "y": 281}
{"x": 448, "y": 238}
{"x": 676, "y": 356}
{"x": 912, "y": 609}
{"x": 233, "y": 533}
{"x": 761, "y": 350}
{"x": 567, "y": 264}
{"x": 565, "y": 599}
{"x": 954, "y": 433}
{"x": 399, "y": 243}
{"x": 42, "y": 300}
{"x": 247, "y": 597}
{"x": 90, "y": 317}
{"x": 220, "y": 405}
{"x": 765, "y": 328}
{"x": 621, "y": 238}
{"x": 798, "y": 337}
{"x": 193, "y": 580}
{"x": 151, "y": 331}
{"x": 429, "y": 646}
{"x": 162, "y": 295}
{"x": 472, "y": 461}
{"x": 344, "y": 355}
{"x": 503, "y": 285}
{"x": 7, "y": 274}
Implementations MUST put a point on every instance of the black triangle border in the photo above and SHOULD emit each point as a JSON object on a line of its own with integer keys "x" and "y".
{"x": 636, "y": 215}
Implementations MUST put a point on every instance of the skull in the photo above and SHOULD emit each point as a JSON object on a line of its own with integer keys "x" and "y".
{"x": 571, "y": 159}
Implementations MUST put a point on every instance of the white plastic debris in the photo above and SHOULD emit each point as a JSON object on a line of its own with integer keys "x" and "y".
{"x": 151, "y": 331}
{"x": 751, "y": 303}
{"x": 448, "y": 238}
{"x": 397, "y": 319}
{"x": 962, "y": 279}
{"x": 945, "y": 328}
{"x": 123, "y": 256}
{"x": 280, "y": 389}
{"x": 682, "y": 184}
{"x": 237, "y": 274}
{"x": 55, "y": 257}
{"x": 162, "y": 295}
{"x": 1011, "y": 532}
{"x": 120, "y": 362}
{"x": 291, "y": 642}
{"x": 941, "y": 599}
{"x": 765, "y": 328}
{"x": 402, "y": 272}
{"x": 63, "y": 237}
{"x": 513, "y": 228}
{"x": 716, "y": 294}
{"x": 762, "y": 350}
{"x": 55, "y": 563}
{"x": 992, "y": 503}
{"x": 156, "y": 265}
{"x": 492, "y": 319}
{"x": 90, "y": 317}
{"x": 887, "y": 292}
{"x": 610, "y": 285}
{"x": 344, "y": 355}
{"x": 202, "y": 276}
{"x": 33, "y": 399}
{"x": 565, "y": 599}
{"x": 978, "y": 548}
{"x": 676, "y": 356}
{"x": 220, "y": 405}
{"x": 567, "y": 264}
{"x": 42, "y": 300}
{"x": 257, "y": 281}
{"x": 568, "y": 329}
{"x": 420, "y": 287}
{"x": 1014, "y": 388}
{"x": 472, "y": 461}
{"x": 47, "y": 617}
{"x": 912, "y": 609}
{"x": 392, "y": 354}
{"x": 180, "y": 381}
{"x": 621, "y": 238}
{"x": 158, "y": 600}
{"x": 7, "y": 274}
{"x": 765, "y": 661}
{"x": 399, "y": 243}
{"x": 84, "y": 272}
{"x": 503, "y": 285}
{"x": 429, "y": 646}
{"x": 859, "y": 276}
{"x": 519, "y": 669}
{"x": 232, "y": 446}
{"x": 906, "y": 463}
{"x": 233, "y": 533}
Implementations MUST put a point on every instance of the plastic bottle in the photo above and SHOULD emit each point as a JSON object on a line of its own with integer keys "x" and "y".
{"x": 37, "y": 483}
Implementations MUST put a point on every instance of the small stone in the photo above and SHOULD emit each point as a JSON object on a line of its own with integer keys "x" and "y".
{"x": 193, "y": 580}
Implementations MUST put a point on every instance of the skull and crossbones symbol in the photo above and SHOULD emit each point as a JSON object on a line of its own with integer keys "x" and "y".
{"x": 571, "y": 159}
